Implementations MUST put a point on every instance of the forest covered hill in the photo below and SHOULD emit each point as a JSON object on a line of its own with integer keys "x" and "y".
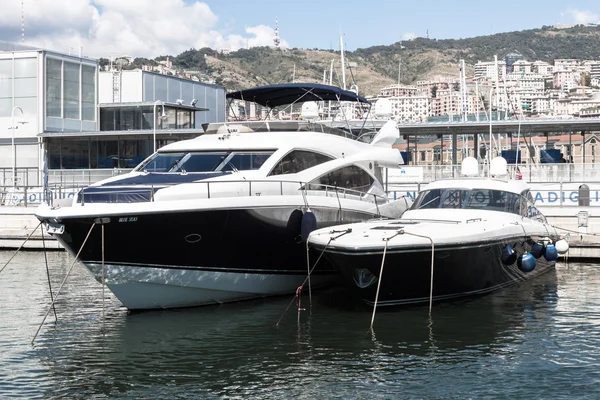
{"x": 377, "y": 66}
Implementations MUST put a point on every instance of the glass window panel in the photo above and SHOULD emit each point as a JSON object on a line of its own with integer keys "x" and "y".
{"x": 26, "y": 67}
{"x": 240, "y": 161}
{"x": 351, "y": 177}
{"x": 127, "y": 121}
{"x": 71, "y": 90}
{"x": 297, "y": 161}
{"x": 171, "y": 121}
{"x": 132, "y": 151}
{"x": 28, "y": 105}
{"x": 184, "y": 119}
{"x": 88, "y": 93}
{"x": 75, "y": 153}
{"x": 5, "y": 107}
{"x": 53, "y": 87}
{"x": 148, "y": 87}
{"x": 107, "y": 151}
{"x": 147, "y": 119}
{"x": 6, "y": 68}
{"x": 160, "y": 88}
{"x": 211, "y": 100}
{"x": 26, "y": 87}
{"x": 161, "y": 162}
{"x": 187, "y": 92}
{"x": 174, "y": 87}
{"x": 107, "y": 119}
{"x": 54, "y": 153}
{"x": 6, "y": 84}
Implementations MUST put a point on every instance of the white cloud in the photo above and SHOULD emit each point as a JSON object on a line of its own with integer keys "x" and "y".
{"x": 409, "y": 36}
{"x": 144, "y": 28}
{"x": 581, "y": 17}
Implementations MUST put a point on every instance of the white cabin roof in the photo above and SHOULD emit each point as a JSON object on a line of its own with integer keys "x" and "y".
{"x": 512, "y": 186}
{"x": 316, "y": 141}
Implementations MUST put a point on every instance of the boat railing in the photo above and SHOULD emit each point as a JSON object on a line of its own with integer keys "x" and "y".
{"x": 210, "y": 189}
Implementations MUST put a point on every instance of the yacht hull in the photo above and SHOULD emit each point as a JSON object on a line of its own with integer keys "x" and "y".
{"x": 160, "y": 287}
{"x": 192, "y": 258}
{"x": 459, "y": 270}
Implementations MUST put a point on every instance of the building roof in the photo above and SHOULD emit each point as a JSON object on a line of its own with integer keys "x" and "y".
{"x": 9, "y": 46}
{"x": 511, "y": 126}
{"x": 133, "y": 132}
{"x": 150, "y": 104}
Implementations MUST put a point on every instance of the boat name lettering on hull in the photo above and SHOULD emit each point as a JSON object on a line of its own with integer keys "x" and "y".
{"x": 128, "y": 219}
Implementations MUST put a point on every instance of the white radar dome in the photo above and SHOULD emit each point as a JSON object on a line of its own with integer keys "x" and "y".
{"x": 383, "y": 109}
{"x": 310, "y": 110}
{"x": 469, "y": 167}
{"x": 498, "y": 167}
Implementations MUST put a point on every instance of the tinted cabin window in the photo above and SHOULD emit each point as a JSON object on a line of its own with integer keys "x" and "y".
{"x": 351, "y": 177}
{"x": 482, "y": 199}
{"x": 200, "y": 162}
{"x": 299, "y": 160}
{"x": 245, "y": 160}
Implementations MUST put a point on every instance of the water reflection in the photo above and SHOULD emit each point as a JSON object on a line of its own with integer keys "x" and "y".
{"x": 237, "y": 350}
{"x": 494, "y": 344}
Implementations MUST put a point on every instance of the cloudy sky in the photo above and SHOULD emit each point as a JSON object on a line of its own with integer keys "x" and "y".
{"x": 148, "y": 28}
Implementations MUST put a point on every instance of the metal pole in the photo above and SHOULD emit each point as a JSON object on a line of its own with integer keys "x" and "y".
{"x": 13, "y": 147}
{"x": 154, "y": 127}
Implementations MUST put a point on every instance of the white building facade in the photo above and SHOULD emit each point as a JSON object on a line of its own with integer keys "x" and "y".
{"x": 41, "y": 91}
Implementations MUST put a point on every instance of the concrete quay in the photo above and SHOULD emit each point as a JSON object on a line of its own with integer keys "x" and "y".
{"x": 16, "y": 223}
{"x": 581, "y": 225}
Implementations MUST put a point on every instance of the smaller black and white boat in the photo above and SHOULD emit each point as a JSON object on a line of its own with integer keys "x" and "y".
{"x": 461, "y": 237}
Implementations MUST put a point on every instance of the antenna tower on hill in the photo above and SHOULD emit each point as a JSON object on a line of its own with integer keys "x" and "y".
{"x": 276, "y": 40}
{"x": 22, "y": 22}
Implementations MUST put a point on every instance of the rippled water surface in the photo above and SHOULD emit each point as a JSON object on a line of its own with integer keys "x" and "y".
{"x": 537, "y": 340}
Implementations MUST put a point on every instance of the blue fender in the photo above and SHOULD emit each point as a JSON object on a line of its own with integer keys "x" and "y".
{"x": 309, "y": 224}
{"x": 526, "y": 262}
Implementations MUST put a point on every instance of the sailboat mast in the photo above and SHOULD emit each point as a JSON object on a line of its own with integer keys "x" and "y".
{"x": 343, "y": 63}
{"x": 331, "y": 83}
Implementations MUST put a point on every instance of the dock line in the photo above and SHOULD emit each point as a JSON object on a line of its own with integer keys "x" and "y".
{"x": 296, "y": 295}
{"x": 20, "y": 247}
{"x": 63, "y": 282}
{"x": 403, "y": 232}
{"x": 48, "y": 275}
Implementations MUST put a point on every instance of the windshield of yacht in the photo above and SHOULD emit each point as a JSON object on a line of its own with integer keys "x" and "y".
{"x": 477, "y": 199}
{"x": 207, "y": 161}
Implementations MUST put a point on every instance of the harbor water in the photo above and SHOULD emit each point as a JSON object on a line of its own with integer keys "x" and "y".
{"x": 535, "y": 340}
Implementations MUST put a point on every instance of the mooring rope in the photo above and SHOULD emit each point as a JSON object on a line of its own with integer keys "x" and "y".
{"x": 403, "y": 232}
{"x": 379, "y": 280}
{"x": 308, "y": 275}
{"x": 20, "y": 247}
{"x": 576, "y": 232}
{"x": 103, "y": 283}
{"x": 63, "y": 282}
{"x": 305, "y": 280}
{"x": 432, "y": 263}
{"x": 48, "y": 274}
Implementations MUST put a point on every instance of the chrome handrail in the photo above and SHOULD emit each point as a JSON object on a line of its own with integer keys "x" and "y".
{"x": 212, "y": 189}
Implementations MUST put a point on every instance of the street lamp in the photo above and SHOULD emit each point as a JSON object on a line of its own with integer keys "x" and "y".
{"x": 162, "y": 116}
{"x": 14, "y": 149}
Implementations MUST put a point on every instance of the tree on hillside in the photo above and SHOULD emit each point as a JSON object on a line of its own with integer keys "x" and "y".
{"x": 103, "y": 62}
{"x": 191, "y": 59}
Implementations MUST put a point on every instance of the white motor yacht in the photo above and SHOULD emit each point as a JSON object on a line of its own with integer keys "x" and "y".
{"x": 224, "y": 217}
